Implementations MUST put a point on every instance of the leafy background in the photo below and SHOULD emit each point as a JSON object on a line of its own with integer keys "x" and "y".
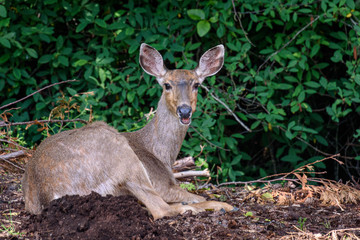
{"x": 291, "y": 75}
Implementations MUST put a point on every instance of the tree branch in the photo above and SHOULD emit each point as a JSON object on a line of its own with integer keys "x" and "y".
{"x": 185, "y": 174}
{"x": 227, "y": 108}
{"x": 51, "y": 85}
{"x": 3, "y": 124}
{"x": 291, "y": 40}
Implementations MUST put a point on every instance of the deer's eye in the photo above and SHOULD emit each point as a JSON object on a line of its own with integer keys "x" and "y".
{"x": 196, "y": 86}
{"x": 167, "y": 86}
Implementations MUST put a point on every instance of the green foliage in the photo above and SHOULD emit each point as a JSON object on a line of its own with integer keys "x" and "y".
{"x": 188, "y": 186}
{"x": 301, "y": 222}
{"x": 291, "y": 73}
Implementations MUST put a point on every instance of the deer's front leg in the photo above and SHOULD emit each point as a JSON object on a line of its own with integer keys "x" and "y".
{"x": 180, "y": 197}
{"x": 176, "y": 194}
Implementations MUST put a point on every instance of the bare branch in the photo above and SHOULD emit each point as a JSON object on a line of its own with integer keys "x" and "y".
{"x": 3, "y": 124}
{"x": 12, "y": 155}
{"x": 239, "y": 20}
{"x": 51, "y": 85}
{"x": 284, "y": 175}
{"x": 227, "y": 108}
{"x": 291, "y": 40}
{"x": 185, "y": 174}
{"x": 13, "y": 164}
{"x": 208, "y": 140}
{"x": 184, "y": 163}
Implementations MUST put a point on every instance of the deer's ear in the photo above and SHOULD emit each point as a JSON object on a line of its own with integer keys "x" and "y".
{"x": 152, "y": 62}
{"x": 210, "y": 62}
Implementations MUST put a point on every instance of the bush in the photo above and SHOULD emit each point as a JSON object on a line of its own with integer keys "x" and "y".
{"x": 291, "y": 74}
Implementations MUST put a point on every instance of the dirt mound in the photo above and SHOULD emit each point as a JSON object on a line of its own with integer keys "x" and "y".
{"x": 96, "y": 217}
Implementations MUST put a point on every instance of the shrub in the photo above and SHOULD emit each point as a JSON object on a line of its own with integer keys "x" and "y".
{"x": 291, "y": 74}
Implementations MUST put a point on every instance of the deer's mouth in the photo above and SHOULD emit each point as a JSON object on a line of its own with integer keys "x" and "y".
{"x": 184, "y": 112}
{"x": 185, "y": 121}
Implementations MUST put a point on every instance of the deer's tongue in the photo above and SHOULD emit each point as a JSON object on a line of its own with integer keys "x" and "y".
{"x": 185, "y": 121}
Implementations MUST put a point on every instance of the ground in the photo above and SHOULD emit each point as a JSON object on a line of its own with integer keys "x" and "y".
{"x": 259, "y": 216}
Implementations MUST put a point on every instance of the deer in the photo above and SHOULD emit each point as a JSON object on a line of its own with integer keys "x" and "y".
{"x": 98, "y": 158}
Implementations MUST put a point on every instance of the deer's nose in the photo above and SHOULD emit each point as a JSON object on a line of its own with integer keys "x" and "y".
{"x": 184, "y": 111}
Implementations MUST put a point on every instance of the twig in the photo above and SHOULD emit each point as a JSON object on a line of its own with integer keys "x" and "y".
{"x": 227, "y": 108}
{"x": 291, "y": 40}
{"x": 284, "y": 175}
{"x": 51, "y": 85}
{"x": 43, "y": 121}
{"x": 13, "y": 155}
{"x": 239, "y": 20}
{"x": 312, "y": 163}
{"x": 13, "y": 164}
{"x": 257, "y": 181}
{"x": 342, "y": 230}
{"x": 184, "y": 163}
{"x": 13, "y": 143}
{"x": 208, "y": 140}
{"x": 204, "y": 173}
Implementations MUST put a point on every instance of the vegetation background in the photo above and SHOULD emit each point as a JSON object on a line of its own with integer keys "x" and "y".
{"x": 291, "y": 75}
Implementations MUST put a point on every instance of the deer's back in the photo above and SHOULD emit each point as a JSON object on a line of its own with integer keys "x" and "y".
{"x": 92, "y": 158}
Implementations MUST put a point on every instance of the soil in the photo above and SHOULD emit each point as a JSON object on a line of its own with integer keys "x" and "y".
{"x": 97, "y": 217}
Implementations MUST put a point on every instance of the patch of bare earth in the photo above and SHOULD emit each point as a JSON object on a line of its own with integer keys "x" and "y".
{"x": 302, "y": 214}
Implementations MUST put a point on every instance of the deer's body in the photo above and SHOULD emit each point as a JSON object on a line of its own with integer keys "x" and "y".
{"x": 98, "y": 158}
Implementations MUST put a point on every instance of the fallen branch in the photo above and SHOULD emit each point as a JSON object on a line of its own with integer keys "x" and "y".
{"x": 283, "y": 175}
{"x": 13, "y": 143}
{"x": 13, "y": 164}
{"x": 12, "y": 155}
{"x": 185, "y": 174}
{"x": 184, "y": 164}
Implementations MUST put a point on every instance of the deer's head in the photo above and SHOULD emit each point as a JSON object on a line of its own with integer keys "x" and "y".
{"x": 180, "y": 87}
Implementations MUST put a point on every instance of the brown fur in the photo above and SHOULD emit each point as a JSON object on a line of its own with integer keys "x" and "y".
{"x": 99, "y": 158}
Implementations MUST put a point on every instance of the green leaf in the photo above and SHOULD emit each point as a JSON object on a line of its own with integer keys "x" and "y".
{"x": 314, "y": 50}
{"x": 248, "y": 214}
{"x": 59, "y": 43}
{"x": 17, "y": 73}
{"x": 64, "y": 61}
{"x": 129, "y": 31}
{"x": 220, "y": 31}
{"x": 32, "y": 52}
{"x": 80, "y": 62}
{"x": 131, "y": 96}
{"x": 82, "y": 25}
{"x": 133, "y": 48}
{"x": 337, "y": 56}
{"x": 321, "y": 140}
{"x": 350, "y": 4}
{"x": 45, "y": 58}
{"x": 283, "y": 86}
{"x": 101, "y": 23}
{"x": 102, "y": 75}
{"x": 196, "y": 14}
{"x": 5, "y": 42}
{"x": 40, "y": 105}
{"x": 3, "y": 12}
{"x": 203, "y": 27}
{"x": 71, "y": 91}
{"x": 2, "y": 84}
{"x": 236, "y": 160}
{"x": 312, "y": 84}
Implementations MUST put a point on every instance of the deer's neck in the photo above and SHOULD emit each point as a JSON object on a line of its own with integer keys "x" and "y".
{"x": 163, "y": 135}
